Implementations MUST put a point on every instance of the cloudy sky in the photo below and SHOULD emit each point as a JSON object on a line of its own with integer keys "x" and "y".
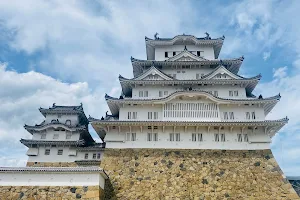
{"x": 73, "y": 51}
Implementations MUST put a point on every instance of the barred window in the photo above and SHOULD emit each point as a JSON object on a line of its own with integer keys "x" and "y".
{"x": 217, "y": 139}
{"x": 240, "y": 139}
{"x": 47, "y": 152}
{"x": 60, "y": 152}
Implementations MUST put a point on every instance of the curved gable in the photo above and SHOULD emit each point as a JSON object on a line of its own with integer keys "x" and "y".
{"x": 153, "y": 74}
{"x": 221, "y": 73}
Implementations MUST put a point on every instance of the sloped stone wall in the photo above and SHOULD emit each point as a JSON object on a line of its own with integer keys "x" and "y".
{"x": 194, "y": 174}
{"x": 53, "y": 192}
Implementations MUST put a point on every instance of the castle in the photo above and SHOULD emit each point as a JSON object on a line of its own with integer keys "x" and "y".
{"x": 186, "y": 126}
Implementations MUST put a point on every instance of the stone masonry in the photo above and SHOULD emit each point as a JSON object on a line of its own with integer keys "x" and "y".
{"x": 51, "y": 193}
{"x": 194, "y": 174}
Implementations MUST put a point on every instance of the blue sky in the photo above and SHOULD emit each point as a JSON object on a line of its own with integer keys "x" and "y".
{"x": 73, "y": 51}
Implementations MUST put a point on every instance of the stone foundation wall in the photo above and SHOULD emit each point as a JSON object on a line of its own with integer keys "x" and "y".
{"x": 53, "y": 193}
{"x": 194, "y": 174}
{"x": 51, "y": 164}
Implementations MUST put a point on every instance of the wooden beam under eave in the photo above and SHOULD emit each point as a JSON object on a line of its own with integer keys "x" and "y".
{"x": 141, "y": 127}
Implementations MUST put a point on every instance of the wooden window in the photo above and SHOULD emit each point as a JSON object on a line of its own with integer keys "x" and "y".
{"x": 183, "y": 72}
{"x": 134, "y": 115}
{"x": 86, "y": 156}
{"x": 128, "y": 137}
{"x": 236, "y": 93}
{"x": 247, "y": 115}
{"x": 149, "y": 115}
{"x": 171, "y": 137}
{"x": 225, "y": 115}
{"x": 166, "y": 54}
{"x": 178, "y": 72}
{"x": 160, "y": 93}
{"x": 129, "y": 115}
{"x": 98, "y": 155}
{"x": 231, "y": 115}
{"x": 216, "y": 93}
{"x": 140, "y": 93}
{"x": 155, "y": 136}
{"x": 59, "y": 116}
{"x": 194, "y": 137}
{"x": 217, "y": 138}
{"x": 43, "y": 136}
{"x": 200, "y": 137}
{"x": 68, "y": 135}
{"x": 230, "y": 93}
{"x": 246, "y": 139}
{"x": 174, "y": 53}
{"x": 145, "y": 93}
{"x": 222, "y": 137}
{"x": 198, "y": 53}
{"x": 47, "y": 152}
{"x": 197, "y": 76}
{"x": 94, "y": 156}
{"x": 155, "y": 115}
{"x": 133, "y": 136}
{"x": 55, "y": 136}
{"x": 253, "y": 115}
{"x": 240, "y": 138}
{"x": 165, "y": 93}
{"x": 177, "y": 137}
{"x": 60, "y": 152}
{"x": 149, "y": 136}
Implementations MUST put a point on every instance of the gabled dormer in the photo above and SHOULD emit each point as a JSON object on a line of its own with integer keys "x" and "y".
{"x": 222, "y": 73}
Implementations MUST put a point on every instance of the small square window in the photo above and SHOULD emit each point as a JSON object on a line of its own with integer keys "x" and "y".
{"x": 94, "y": 156}
{"x": 160, "y": 93}
{"x": 98, "y": 155}
{"x": 165, "y": 93}
{"x": 47, "y": 152}
{"x": 60, "y": 152}
{"x": 68, "y": 135}
{"x": 86, "y": 156}
{"x": 43, "y": 136}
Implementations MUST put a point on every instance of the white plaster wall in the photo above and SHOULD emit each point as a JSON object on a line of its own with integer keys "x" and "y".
{"x": 116, "y": 139}
{"x": 63, "y": 118}
{"x": 160, "y": 51}
{"x": 223, "y": 90}
{"x": 142, "y": 111}
{"x": 239, "y": 112}
{"x": 51, "y": 179}
{"x": 187, "y": 74}
{"x": 61, "y": 135}
{"x": 53, "y": 157}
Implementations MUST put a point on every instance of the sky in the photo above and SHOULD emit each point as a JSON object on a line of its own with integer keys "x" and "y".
{"x": 73, "y": 51}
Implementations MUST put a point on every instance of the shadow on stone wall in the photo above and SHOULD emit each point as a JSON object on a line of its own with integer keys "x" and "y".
{"x": 109, "y": 193}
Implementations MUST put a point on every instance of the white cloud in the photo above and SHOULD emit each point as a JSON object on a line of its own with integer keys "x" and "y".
{"x": 266, "y": 55}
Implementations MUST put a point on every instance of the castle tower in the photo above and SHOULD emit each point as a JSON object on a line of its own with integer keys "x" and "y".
{"x": 62, "y": 139}
{"x": 188, "y": 126}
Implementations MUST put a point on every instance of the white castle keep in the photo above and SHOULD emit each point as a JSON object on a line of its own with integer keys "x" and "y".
{"x": 184, "y": 97}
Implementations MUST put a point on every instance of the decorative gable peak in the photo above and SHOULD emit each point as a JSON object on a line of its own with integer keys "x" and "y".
{"x": 221, "y": 73}
{"x": 154, "y": 74}
{"x": 186, "y": 56}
